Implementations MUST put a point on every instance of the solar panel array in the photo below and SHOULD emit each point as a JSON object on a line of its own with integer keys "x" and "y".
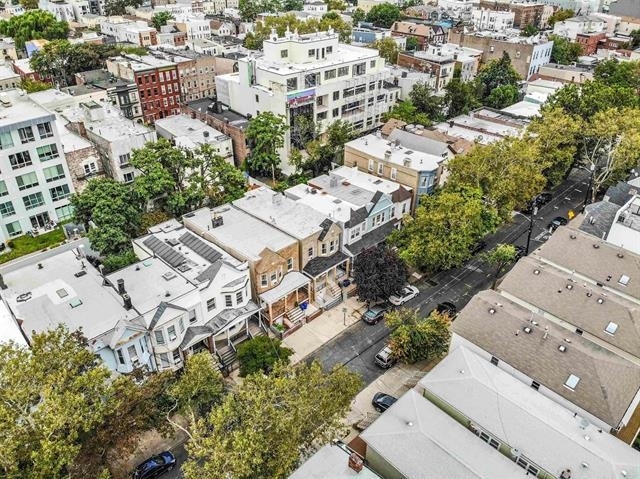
{"x": 200, "y": 247}
{"x": 164, "y": 251}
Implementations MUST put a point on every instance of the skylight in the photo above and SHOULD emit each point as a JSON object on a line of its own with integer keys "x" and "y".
{"x": 611, "y": 328}
{"x": 624, "y": 280}
{"x": 62, "y": 293}
{"x": 572, "y": 381}
{"x": 74, "y": 303}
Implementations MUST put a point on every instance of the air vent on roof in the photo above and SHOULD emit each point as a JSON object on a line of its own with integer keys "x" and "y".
{"x": 183, "y": 267}
{"x": 620, "y": 255}
{"x": 572, "y": 236}
{"x": 172, "y": 241}
{"x": 169, "y": 275}
{"x": 600, "y": 300}
{"x": 536, "y": 272}
{"x": 492, "y": 311}
{"x": 596, "y": 245}
{"x": 569, "y": 287}
{"x": 562, "y": 348}
{"x": 79, "y": 274}
{"x": 527, "y": 330}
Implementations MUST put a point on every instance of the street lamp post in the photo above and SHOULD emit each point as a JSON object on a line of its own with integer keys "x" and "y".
{"x": 534, "y": 211}
{"x": 344, "y": 316}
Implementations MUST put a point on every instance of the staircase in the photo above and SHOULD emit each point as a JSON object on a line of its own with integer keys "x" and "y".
{"x": 227, "y": 356}
{"x": 296, "y": 316}
{"x": 241, "y": 338}
{"x": 332, "y": 296}
{"x": 256, "y": 329}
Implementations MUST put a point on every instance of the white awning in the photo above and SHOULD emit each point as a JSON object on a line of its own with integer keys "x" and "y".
{"x": 289, "y": 284}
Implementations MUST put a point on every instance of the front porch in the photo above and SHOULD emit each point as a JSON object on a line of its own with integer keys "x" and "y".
{"x": 286, "y": 306}
{"x": 328, "y": 275}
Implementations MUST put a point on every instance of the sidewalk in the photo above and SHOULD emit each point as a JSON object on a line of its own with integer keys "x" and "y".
{"x": 324, "y": 328}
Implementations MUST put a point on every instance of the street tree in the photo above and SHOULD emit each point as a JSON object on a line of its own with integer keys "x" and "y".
{"x": 260, "y": 355}
{"x": 509, "y": 173}
{"x": 423, "y": 98}
{"x": 407, "y": 112}
{"x": 379, "y": 273}
{"x": 616, "y": 73}
{"x": 413, "y": 44}
{"x": 303, "y": 130}
{"x": 336, "y": 5}
{"x": 444, "y": 229}
{"x": 33, "y": 24}
{"x": 384, "y": 15}
{"x": 387, "y": 49}
{"x": 496, "y": 73}
{"x": 270, "y": 421}
{"x": 320, "y": 155}
{"x": 358, "y": 16}
{"x": 114, "y": 209}
{"x": 560, "y": 16}
{"x": 414, "y": 339}
{"x": 500, "y": 257}
{"x": 635, "y": 39}
{"x": 266, "y": 133}
{"x": 460, "y": 98}
{"x": 564, "y": 51}
{"x": 502, "y": 97}
{"x": 584, "y": 100}
{"x": 160, "y": 19}
{"x": 530, "y": 30}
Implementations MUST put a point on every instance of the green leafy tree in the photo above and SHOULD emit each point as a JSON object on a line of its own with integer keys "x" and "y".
{"x": 160, "y": 19}
{"x": 292, "y": 5}
{"x": 358, "y": 16}
{"x": 379, "y": 273}
{"x": 495, "y": 74}
{"x": 530, "y": 30}
{"x": 387, "y": 49}
{"x": 412, "y": 44}
{"x": 249, "y": 9}
{"x": 52, "y": 396}
{"x": 635, "y": 39}
{"x": 384, "y": 15}
{"x": 414, "y": 339}
{"x": 303, "y": 131}
{"x": 500, "y": 257}
{"x": 29, "y": 4}
{"x": 261, "y": 354}
{"x": 266, "y": 133}
{"x": 33, "y": 86}
{"x": 119, "y": 7}
{"x": 337, "y": 134}
{"x": 564, "y": 51}
{"x": 502, "y": 97}
{"x": 270, "y": 421}
{"x": 115, "y": 262}
{"x": 560, "y": 16}
{"x": 423, "y": 98}
{"x": 407, "y": 112}
{"x": 115, "y": 210}
{"x": 590, "y": 97}
{"x": 252, "y": 41}
{"x": 336, "y": 5}
{"x": 621, "y": 74}
{"x": 460, "y": 98}
{"x": 320, "y": 157}
{"x": 445, "y": 227}
{"x": 508, "y": 172}
{"x": 33, "y": 24}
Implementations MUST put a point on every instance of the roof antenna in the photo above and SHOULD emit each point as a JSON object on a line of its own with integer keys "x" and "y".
{"x": 546, "y": 332}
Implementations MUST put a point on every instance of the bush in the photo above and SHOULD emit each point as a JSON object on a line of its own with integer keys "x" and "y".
{"x": 261, "y": 354}
{"x": 115, "y": 262}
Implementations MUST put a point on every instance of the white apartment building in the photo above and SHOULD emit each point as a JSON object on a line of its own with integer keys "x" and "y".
{"x": 485, "y": 19}
{"x": 35, "y": 183}
{"x": 312, "y": 75}
{"x": 62, "y": 10}
{"x": 458, "y": 6}
{"x": 196, "y": 26}
{"x": 571, "y": 27}
{"x": 315, "y": 6}
{"x": 138, "y": 33}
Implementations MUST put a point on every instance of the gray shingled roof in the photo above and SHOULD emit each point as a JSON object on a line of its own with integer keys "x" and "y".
{"x": 608, "y": 383}
{"x": 598, "y": 218}
{"x": 620, "y": 193}
{"x": 357, "y": 217}
{"x": 320, "y": 264}
{"x": 372, "y": 238}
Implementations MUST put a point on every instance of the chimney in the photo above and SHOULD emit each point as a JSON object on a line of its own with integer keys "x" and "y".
{"x": 333, "y": 181}
{"x": 127, "y": 301}
{"x": 355, "y": 462}
{"x": 217, "y": 221}
{"x": 121, "y": 289}
{"x": 387, "y": 155}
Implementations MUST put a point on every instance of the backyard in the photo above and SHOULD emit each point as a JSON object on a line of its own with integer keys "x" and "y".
{"x": 26, "y": 244}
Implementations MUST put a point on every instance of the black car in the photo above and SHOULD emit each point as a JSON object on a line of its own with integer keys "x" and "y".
{"x": 447, "y": 308}
{"x": 155, "y": 466}
{"x": 543, "y": 198}
{"x": 374, "y": 314}
{"x": 557, "y": 222}
{"x": 479, "y": 246}
{"x": 381, "y": 402}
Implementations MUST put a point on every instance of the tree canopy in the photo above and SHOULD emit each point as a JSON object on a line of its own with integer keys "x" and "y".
{"x": 119, "y": 7}
{"x": 387, "y": 49}
{"x": 495, "y": 74}
{"x": 560, "y": 15}
{"x": 415, "y": 339}
{"x": 584, "y": 100}
{"x": 407, "y": 112}
{"x": 500, "y": 257}
{"x": 379, "y": 273}
{"x": 160, "y": 19}
{"x": 270, "y": 421}
{"x": 384, "y": 15}
{"x": 564, "y": 51}
{"x": 266, "y": 132}
{"x": 260, "y": 354}
{"x": 460, "y": 97}
{"x": 33, "y": 24}
{"x": 621, "y": 74}
{"x": 426, "y": 102}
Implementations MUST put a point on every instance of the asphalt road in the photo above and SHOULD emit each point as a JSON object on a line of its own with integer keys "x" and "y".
{"x": 356, "y": 347}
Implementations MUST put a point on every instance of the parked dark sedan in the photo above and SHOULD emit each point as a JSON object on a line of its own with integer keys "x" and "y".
{"x": 381, "y": 402}
{"x": 539, "y": 201}
{"x": 557, "y": 222}
{"x": 155, "y": 466}
{"x": 374, "y": 314}
{"x": 447, "y": 308}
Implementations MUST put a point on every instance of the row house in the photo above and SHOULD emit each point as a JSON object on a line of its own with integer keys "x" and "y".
{"x": 524, "y": 13}
{"x": 139, "y": 33}
{"x": 122, "y": 94}
{"x": 486, "y": 19}
{"x": 438, "y": 63}
{"x": 157, "y": 81}
{"x": 171, "y": 35}
{"x": 423, "y": 33}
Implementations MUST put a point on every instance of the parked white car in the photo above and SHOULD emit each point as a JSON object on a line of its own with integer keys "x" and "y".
{"x": 407, "y": 293}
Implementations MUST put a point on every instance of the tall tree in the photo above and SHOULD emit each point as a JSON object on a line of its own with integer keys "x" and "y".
{"x": 564, "y": 51}
{"x": 261, "y": 354}
{"x": 119, "y": 7}
{"x": 266, "y": 133}
{"x": 424, "y": 99}
{"x": 387, "y": 49}
{"x": 292, "y": 5}
{"x": 407, "y": 112}
{"x": 616, "y": 73}
{"x": 249, "y": 9}
{"x": 115, "y": 210}
{"x": 560, "y": 16}
{"x": 446, "y": 226}
{"x": 500, "y": 257}
{"x": 269, "y": 422}
{"x": 502, "y": 97}
{"x": 337, "y": 134}
{"x": 495, "y": 74}
{"x": 460, "y": 98}
{"x": 384, "y": 15}
{"x": 379, "y": 273}
{"x": 358, "y": 16}
{"x": 413, "y": 44}
{"x": 303, "y": 131}
{"x": 33, "y": 24}
{"x": 160, "y": 19}
{"x": 583, "y": 101}
{"x": 336, "y": 5}
{"x": 415, "y": 339}
{"x": 29, "y": 4}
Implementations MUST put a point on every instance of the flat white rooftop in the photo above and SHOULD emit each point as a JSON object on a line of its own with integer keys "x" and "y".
{"x": 189, "y": 132}
{"x": 367, "y": 181}
{"x": 375, "y": 147}
{"x": 16, "y": 107}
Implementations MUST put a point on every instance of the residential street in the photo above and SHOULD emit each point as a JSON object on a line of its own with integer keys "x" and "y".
{"x": 357, "y": 346}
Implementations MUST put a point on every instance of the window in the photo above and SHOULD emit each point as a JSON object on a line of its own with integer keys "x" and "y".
{"x": 228, "y": 301}
{"x": 572, "y": 381}
{"x": 535, "y": 385}
{"x": 53, "y": 173}
{"x": 310, "y": 252}
{"x": 33, "y": 200}
{"x": 347, "y": 92}
{"x": 394, "y": 173}
{"x": 329, "y": 74}
{"x": 329, "y": 49}
{"x": 14, "y": 229}
{"x": 45, "y": 130}
{"x": 335, "y": 112}
{"x": 321, "y": 116}
{"x": 336, "y": 95}
{"x": 177, "y": 359}
{"x": 60, "y": 192}
{"x": 124, "y": 159}
{"x": 380, "y": 168}
{"x": 264, "y": 280}
{"x": 26, "y": 181}
{"x": 289, "y": 264}
{"x": 359, "y": 69}
{"x": 5, "y": 140}
{"x": 312, "y": 52}
{"x": 284, "y": 53}
{"x": 128, "y": 177}
{"x": 64, "y": 212}
{"x": 3, "y": 188}
{"x": 332, "y": 246}
{"x": 133, "y": 354}
{"x": 494, "y": 360}
{"x": 192, "y": 315}
{"x": 611, "y": 328}
{"x": 274, "y": 278}
{"x": 292, "y": 84}
{"x": 239, "y": 297}
{"x": 120, "y": 356}
{"x": 47, "y": 152}
{"x": 372, "y": 64}
{"x": 489, "y": 440}
{"x": 311, "y": 80}
{"x": 7, "y": 209}
{"x": 20, "y": 160}
{"x": 211, "y": 304}
{"x": 324, "y": 248}
{"x": 343, "y": 71}
{"x": 171, "y": 331}
{"x": 159, "y": 336}
{"x": 372, "y": 86}
{"x": 370, "y": 167}
{"x": 26, "y": 134}
{"x": 164, "y": 360}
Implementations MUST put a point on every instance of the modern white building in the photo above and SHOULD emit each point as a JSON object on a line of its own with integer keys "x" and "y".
{"x": 571, "y": 27}
{"x": 35, "y": 183}
{"x": 313, "y": 76}
{"x": 315, "y": 6}
{"x": 625, "y": 230}
{"x": 63, "y": 10}
{"x": 138, "y": 33}
{"x": 497, "y": 21}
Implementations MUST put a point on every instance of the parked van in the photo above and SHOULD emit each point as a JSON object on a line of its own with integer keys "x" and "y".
{"x": 385, "y": 358}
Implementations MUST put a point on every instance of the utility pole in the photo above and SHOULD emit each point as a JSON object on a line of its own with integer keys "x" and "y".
{"x": 586, "y": 201}
{"x": 534, "y": 211}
